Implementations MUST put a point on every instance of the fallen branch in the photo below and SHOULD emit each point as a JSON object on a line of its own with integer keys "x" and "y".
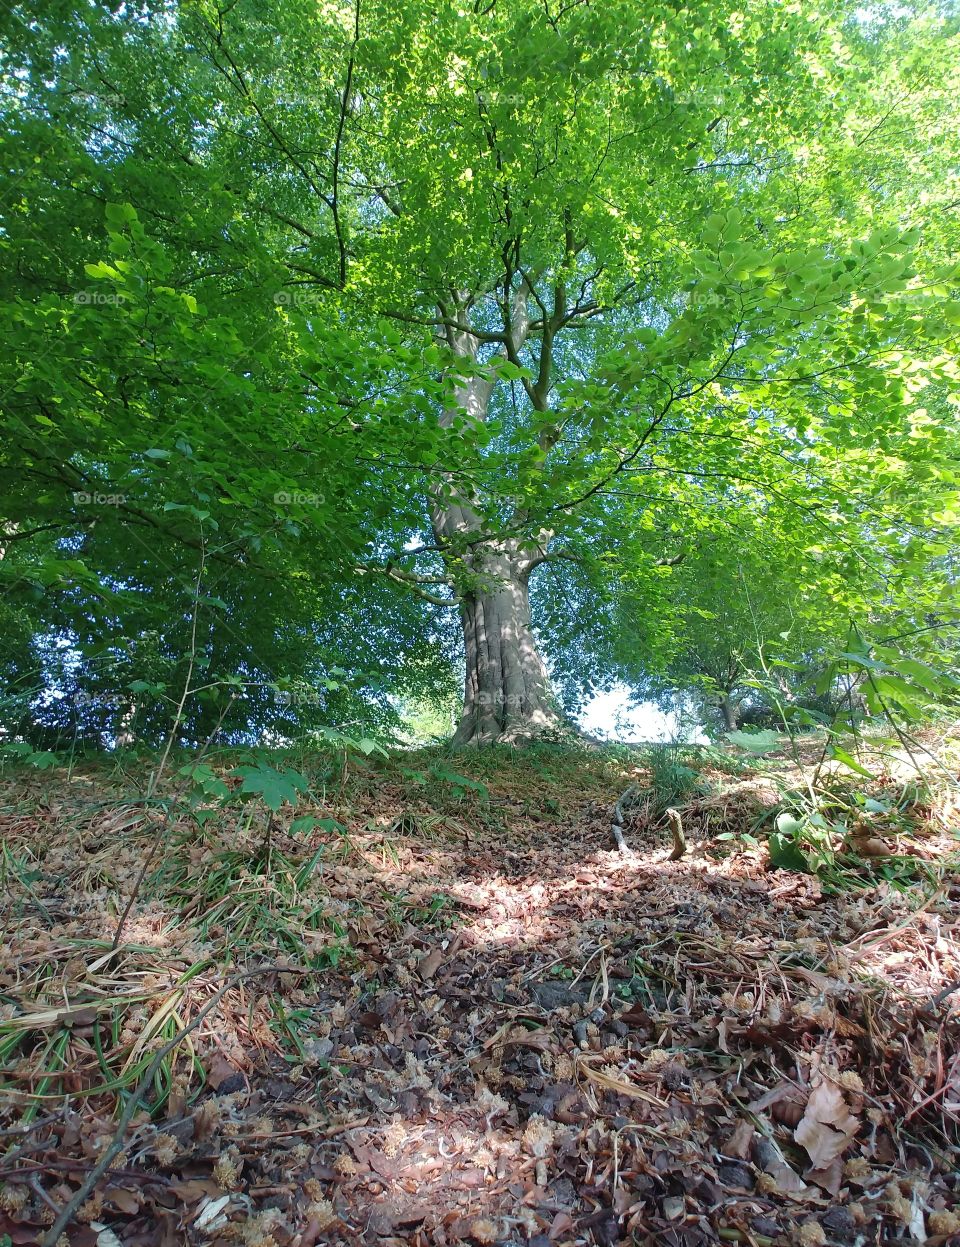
{"x": 616, "y": 827}
{"x": 628, "y": 796}
{"x": 676, "y": 830}
{"x": 617, "y": 832}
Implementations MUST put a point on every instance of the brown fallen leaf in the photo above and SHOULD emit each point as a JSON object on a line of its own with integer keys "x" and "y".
{"x": 636, "y": 1015}
{"x": 192, "y": 1189}
{"x": 311, "y": 1232}
{"x": 430, "y": 963}
{"x": 470, "y": 902}
{"x": 871, "y": 846}
{"x": 519, "y": 1035}
{"x": 827, "y": 1127}
{"x": 829, "y": 1179}
{"x": 771, "y": 1160}
{"x": 120, "y": 1197}
{"x": 785, "y": 1102}
{"x": 220, "y": 1071}
{"x": 78, "y": 1017}
{"x": 561, "y": 1224}
{"x": 738, "y": 1144}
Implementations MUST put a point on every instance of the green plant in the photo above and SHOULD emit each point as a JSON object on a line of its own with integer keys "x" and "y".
{"x": 253, "y": 900}
{"x": 458, "y": 785}
{"x": 19, "y": 869}
{"x": 672, "y": 779}
{"x": 20, "y": 751}
{"x": 436, "y": 912}
{"x": 759, "y": 743}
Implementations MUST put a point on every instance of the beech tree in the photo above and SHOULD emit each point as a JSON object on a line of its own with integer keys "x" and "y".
{"x": 378, "y": 298}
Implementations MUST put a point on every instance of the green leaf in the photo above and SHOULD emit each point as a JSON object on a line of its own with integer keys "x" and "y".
{"x": 100, "y": 270}
{"x": 789, "y": 825}
{"x": 120, "y": 214}
{"x": 758, "y": 743}
{"x": 784, "y": 847}
{"x": 304, "y": 824}
{"x": 272, "y": 786}
{"x": 841, "y": 755}
{"x": 42, "y": 760}
{"x": 146, "y": 686}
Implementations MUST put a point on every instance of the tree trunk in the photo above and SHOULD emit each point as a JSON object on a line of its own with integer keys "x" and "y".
{"x": 507, "y": 695}
{"x": 728, "y": 708}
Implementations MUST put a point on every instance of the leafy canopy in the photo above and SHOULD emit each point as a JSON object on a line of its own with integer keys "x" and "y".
{"x": 701, "y": 255}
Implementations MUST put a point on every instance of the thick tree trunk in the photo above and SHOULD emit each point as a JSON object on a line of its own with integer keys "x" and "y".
{"x": 507, "y": 695}
{"x": 728, "y": 708}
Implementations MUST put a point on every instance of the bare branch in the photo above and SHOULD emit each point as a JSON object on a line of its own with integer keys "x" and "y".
{"x": 413, "y": 582}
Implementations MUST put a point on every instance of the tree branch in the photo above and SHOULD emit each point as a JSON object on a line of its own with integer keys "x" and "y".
{"x": 413, "y": 582}
{"x": 338, "y": 144}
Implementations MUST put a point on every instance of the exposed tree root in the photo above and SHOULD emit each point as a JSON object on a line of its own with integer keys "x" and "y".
{"x": 676, "y": 830}
{"x": 674, "y": 821}
{"x": 616, "y": 827}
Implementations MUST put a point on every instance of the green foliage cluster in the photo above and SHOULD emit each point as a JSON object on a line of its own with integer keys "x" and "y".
{"x": 262, "y": 260}
{"x": 672, "y": 778}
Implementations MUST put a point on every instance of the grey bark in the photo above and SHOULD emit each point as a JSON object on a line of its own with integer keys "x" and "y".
{"x": 507, "y": 693}
{"x": 728, "y": 709}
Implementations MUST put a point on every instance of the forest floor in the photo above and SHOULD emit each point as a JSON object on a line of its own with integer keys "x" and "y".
{"x": 469, "y": 1017}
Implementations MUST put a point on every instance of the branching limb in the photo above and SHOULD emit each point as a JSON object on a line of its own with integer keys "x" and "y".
{"x": 616, "y": 827}
{"x": 625, "y": 460}
{"x": 414, "y": 582}
{"x": 337, "y": 149}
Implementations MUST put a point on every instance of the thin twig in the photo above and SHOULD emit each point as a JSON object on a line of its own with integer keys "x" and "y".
{"x": 158, "y": 774}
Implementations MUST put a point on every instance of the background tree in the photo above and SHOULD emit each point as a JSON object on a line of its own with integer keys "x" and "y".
{"x": 744, "y": 608}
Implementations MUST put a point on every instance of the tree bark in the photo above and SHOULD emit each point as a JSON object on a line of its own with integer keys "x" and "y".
{"x": 507, "y": 696}
{"x": 728, "y": 708}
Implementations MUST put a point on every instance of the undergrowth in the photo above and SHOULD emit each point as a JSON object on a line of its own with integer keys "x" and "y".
{"x": 249, "y": 841}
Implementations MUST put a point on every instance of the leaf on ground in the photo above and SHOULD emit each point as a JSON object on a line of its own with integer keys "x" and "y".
{"x": 105, "y": 1236}
{"x": 827, "y": 1127}
{"x": 430, "y": 963}
{"x": 738, "y": 1144}
{"x": 220, "y": 1071}
{"x": 772, "y": 1161}
{"x": 209, "y": 1217}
